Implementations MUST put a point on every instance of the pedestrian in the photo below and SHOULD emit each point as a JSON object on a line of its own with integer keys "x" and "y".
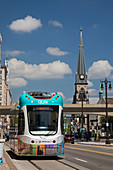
{"x": 4, "y": 136}
{"x": 87, "y": 137}
{"x": 95, "y": 136}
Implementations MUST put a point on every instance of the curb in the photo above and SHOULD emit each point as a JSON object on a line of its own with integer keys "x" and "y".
{"x": 96, "y": 144}
{"x": 8, "y": 159}
{"x": 9, "y": 162}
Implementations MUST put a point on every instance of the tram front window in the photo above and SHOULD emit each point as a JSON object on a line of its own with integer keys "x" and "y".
{"x": 43, "y": 120}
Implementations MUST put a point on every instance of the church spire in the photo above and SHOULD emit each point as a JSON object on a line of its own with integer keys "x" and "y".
{"x": 81, "y": 84}
{"x": 81, "y": 71}
{"x": 81, "y": 43}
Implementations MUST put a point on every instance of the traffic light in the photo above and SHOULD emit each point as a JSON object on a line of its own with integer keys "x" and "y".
{"x": 65, "y": 117}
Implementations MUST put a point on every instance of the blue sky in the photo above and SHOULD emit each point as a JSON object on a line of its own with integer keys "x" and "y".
{"x": 41, "y": 39}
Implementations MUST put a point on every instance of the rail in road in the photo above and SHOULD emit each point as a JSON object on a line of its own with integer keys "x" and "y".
{"x": 41, "y": 163}
{"x": 76, "y": 156}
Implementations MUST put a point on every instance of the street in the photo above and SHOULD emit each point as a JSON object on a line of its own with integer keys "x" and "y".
{"x": 76, "y": 156}
{"x": 88, "y": 156}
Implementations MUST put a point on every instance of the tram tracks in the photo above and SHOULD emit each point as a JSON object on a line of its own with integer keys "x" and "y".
{"x": 34, "y": 164}
{"x": 41, "y": 163}
{"x": 52, "y": 164}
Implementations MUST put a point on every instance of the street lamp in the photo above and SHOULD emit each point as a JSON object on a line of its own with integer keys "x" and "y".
{"x": 0, "y": 48}
{"x": 107, "y": 124}
{"x": 82, "y": 96}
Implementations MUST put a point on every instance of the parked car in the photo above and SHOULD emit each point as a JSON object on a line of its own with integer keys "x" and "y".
{"x": 69, "y": 138}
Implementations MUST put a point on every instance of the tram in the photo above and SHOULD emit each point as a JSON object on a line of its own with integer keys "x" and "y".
{"x": 37, "y": 128}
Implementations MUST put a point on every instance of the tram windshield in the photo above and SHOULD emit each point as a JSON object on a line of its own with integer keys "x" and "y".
{"x": 43, "y": 120}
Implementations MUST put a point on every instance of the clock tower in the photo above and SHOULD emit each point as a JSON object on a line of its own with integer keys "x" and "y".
{"x": 81, "y": 85}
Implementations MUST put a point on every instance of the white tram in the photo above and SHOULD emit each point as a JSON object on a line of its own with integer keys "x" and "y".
{"x": 37, "y": 130}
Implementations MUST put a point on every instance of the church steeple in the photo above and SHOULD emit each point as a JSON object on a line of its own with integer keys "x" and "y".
{"x": 80, "y": 77}
{"x": 81, "y": 43}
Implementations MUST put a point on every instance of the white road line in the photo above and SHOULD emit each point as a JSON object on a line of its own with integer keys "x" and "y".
{"x": 80, "y": 160}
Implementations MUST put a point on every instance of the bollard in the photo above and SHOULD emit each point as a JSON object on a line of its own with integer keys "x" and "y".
{"x": 2, "y": 141}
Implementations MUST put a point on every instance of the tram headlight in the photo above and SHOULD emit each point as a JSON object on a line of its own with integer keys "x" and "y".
{"x": 32, "y": 141}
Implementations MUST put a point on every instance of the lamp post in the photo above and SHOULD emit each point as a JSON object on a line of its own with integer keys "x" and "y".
{"x": 82, "y": 97}
{"x": 107, "y": 124}
{"x": 0, "y": 49}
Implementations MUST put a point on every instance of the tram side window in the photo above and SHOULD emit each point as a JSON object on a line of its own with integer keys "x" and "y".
{"x": 21, "y": 123}
{"x": 62, "y": 123}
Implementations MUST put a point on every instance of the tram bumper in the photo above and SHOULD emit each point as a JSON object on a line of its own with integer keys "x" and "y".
{"x": 25, "y": 149}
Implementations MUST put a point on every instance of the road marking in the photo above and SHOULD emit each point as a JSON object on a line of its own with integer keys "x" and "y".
{"x": 80, "y": 160}
{"x": 105, "y": 153}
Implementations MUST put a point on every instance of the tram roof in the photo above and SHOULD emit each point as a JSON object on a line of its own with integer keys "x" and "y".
{"x": 40, "y": 98}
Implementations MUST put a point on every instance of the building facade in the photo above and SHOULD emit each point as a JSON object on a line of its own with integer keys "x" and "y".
{"x": 102, "y": 119}
{"x": 3, "y": 85}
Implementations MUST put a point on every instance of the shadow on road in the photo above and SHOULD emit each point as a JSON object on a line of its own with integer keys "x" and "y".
{"x": 14, "y": 156}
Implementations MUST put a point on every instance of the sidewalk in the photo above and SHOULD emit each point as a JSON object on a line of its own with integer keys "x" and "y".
{"x": 4, "y": 166}
{"x": 7, "y": 162}
{"x": 95, "y": 143}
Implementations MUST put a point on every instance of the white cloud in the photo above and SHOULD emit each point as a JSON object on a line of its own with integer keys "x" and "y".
{"x": 17, "y": 82}
{"x": 100, "y": 69}
{"x": 90, "y": 84}
{"x": 69, "y": 99}
{"x": 14, "y": 53}
{"x": 54, "y": 70}
{"x": 64, "y": 98}
{"x": 55, "y": 51}
{"x": 27, "y": 24}
{"x": 56, "y": 24}
{"x": 93, "y": 92}
{"x": 93, "y": 100}
{"x": 110, "y": 91}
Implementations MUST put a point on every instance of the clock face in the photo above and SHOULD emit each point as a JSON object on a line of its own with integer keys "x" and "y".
{"x": 81, "y": 77}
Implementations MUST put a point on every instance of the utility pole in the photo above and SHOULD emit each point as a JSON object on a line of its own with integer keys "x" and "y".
{"x": 107, "y": 123}
{"x": 0, "y": 49}
{"x": 1, "y": 130}
{"x": 82, "y": 97}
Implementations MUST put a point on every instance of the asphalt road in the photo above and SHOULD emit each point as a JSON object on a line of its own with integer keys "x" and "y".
{"x": 88, "y": 156}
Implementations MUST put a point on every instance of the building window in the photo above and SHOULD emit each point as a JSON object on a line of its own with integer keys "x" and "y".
{"x": 0, "y": 82}
{"x": 0, "y": 77}
{"x": 0, "y": 98}
{"x": 0, "y": 93}
{"x": 0, "y": 87}
{"x": 0, "y": 71}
